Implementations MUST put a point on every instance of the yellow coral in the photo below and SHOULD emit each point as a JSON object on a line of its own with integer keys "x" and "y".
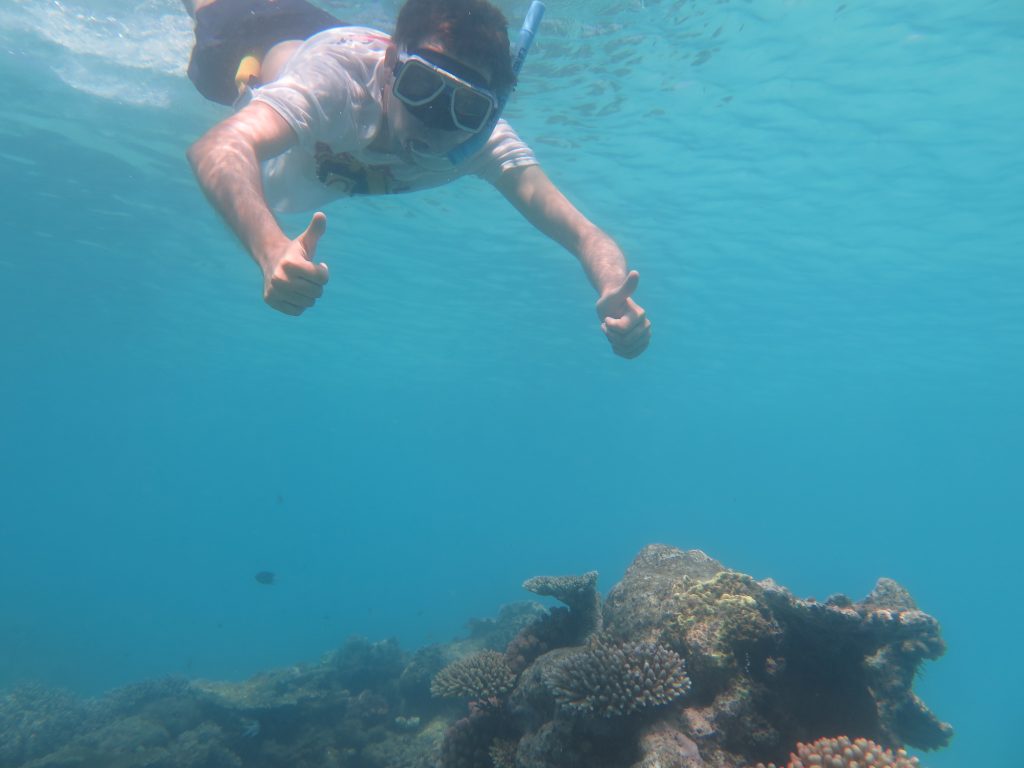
{"x": 718, "y": 612}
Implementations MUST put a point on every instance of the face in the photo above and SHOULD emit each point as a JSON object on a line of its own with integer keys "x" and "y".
{"x": 409, "y": 137}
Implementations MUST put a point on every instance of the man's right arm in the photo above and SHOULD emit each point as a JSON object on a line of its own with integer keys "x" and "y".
{"x": 226, "y": 162}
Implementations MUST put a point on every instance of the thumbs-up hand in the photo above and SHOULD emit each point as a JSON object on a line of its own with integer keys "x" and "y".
{"x": 624, "y": 321}
{"x": 293, "y": 282}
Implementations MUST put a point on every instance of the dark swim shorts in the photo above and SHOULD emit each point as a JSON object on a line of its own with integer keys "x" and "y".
{"x": 229, "y": 30}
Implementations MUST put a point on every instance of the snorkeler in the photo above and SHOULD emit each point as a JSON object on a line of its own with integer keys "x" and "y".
{"x": 324, "y": 110}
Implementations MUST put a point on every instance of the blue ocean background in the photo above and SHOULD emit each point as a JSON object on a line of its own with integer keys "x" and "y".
{"x": 825, "y": 202}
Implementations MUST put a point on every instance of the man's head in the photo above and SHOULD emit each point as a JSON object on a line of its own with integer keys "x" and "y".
{"x": 452, "y": 62}
{"x": 473, "y": 31}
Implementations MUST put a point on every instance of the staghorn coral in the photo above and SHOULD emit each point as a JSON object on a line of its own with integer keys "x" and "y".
{"x": 484, "y": 675}
{"x": 841, "y": 752}
{"x": 611, "y": 679}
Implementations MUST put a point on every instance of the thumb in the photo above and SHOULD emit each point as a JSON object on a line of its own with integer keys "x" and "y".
{"x": 613, "y": 304}
{"x": 313, "y": 233}
{"x": 628, "y": 287}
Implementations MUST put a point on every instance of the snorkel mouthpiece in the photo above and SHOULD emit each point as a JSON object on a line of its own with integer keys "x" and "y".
{"x": 530, "y": 25}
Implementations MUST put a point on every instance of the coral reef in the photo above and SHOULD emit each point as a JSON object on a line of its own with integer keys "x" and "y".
{"x": 35, "y": 720}
{"x": 484, "y": 675}
{"x": 687, "y": 664}
{"x": 614, "y": 679}
{"x": 841, "y": 752}
{"x": 770, "y": 670}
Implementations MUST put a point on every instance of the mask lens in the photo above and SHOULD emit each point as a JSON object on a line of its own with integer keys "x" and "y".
{"x": 435, "y": 114}
{"x": 471, "y": 109}
{"x": 418, "y": 84}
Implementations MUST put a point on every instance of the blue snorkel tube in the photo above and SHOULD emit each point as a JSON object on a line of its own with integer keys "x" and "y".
{"x": 475, "y": 143}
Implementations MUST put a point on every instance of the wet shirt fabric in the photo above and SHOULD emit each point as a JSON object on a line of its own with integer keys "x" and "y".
{"x": 330, "y": 93}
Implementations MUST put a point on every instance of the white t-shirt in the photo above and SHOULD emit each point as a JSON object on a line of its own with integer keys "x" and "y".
{"x": 330, "y": 94}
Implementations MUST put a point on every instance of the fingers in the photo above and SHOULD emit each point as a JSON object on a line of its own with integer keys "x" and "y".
{"x": 632, "y": 347}
{"x": 290, "y": 291}
{"x": 305, "y": 271}
{"x": 630, "y": 334}
{"x": 285, "y": 306}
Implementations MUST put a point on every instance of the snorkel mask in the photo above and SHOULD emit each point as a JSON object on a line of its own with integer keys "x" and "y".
{"x": 442, "y": 92}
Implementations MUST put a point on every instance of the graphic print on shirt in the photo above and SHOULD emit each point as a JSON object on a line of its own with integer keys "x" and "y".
{"x": 346, "y": 175}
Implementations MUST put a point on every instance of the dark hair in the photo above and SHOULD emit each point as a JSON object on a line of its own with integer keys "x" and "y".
{"x": 472, "y": 30}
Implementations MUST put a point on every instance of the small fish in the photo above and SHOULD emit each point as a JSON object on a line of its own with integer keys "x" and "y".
{"x": 250, "y": 728}
{"x": 266, "y": 577}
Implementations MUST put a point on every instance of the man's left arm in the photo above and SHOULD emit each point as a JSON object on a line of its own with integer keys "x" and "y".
{"x": 623, "y": 321}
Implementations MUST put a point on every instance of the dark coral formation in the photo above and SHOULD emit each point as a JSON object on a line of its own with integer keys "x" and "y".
{"x": 336, "y": 713}
{"x": 503, "y": 753}
{"x": 768, "y": 678}
{"x": 842, "y": 752}
{"x": 484, "y": 675}
{"x": 555, "y": 630}
{"x": 35, "y": 720}
{"x": 579, "y": 593}
{"x": 610, "y": 679}
{"x": 770, "y": 670}
{"x": 468, "y": 742}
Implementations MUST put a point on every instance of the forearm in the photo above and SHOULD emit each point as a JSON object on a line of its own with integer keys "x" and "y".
{"x": 228, "y": 171}
{"x": 601, "y": 258}
{"x": 544, "y": 206}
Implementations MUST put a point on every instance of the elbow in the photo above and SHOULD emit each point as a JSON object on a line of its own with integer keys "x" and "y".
{"x": 194, "y": 154}
{"x": 212, "y": 151}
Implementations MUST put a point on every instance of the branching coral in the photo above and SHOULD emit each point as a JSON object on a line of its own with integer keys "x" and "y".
{"x": 503, "y": 753}
{"x": 483, "y": 675}
{"x": 841, "y": 752}
{"x": 610, "y": 679}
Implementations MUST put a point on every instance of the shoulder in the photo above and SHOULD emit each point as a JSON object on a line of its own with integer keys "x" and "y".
{"x": 503, "y": 151}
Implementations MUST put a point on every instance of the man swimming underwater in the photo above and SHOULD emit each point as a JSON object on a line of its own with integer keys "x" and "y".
{"x": 327, "y": 110}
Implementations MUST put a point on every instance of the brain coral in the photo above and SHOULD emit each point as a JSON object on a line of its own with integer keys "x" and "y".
{"x": 483, "y": 675}
{"x": 609, "y": 679}
{"x": 841, "y": 752}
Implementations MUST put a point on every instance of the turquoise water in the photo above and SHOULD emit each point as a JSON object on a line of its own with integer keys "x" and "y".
{"x": 824, "y": 201}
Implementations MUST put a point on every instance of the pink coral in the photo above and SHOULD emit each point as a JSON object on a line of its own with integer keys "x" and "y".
{"x": 841, "y": 752}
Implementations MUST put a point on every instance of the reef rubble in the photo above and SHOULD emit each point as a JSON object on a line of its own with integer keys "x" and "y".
{"x": 685, "y": 664}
